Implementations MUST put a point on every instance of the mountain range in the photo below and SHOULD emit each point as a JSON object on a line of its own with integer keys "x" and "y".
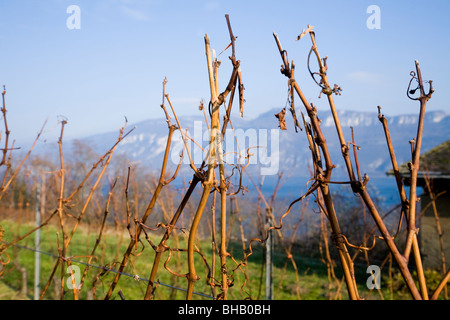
{"x": 284, "y": 151}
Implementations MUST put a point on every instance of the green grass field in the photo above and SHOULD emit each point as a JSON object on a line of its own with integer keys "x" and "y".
{"x": 312, "y": 276}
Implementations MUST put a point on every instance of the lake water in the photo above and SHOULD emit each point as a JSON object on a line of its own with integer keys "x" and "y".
{"x": 382, "y": 188}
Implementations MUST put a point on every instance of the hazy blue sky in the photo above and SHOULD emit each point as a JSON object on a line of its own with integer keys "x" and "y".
{"x": 114, "y": 65}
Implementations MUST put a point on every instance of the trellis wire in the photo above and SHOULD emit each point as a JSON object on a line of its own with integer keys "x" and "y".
{"x": 135, "y": 277}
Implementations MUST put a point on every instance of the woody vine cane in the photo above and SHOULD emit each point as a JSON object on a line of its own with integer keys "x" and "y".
{"x": 414, "y": 168}
{"x": 322, "y": 177}
{"x": 358, "y": 185}
{"x": 135, "y": 239}
{"x": 215, "y": 157}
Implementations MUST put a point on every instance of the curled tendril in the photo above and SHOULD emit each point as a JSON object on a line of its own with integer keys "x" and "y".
{"x": 320, "y": 83}
{"x": 326, "y": 89}
{"x": 410, "y": 91}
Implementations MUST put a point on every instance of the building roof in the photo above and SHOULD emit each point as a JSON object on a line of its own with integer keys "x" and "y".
{"x": 435, "y": 162}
